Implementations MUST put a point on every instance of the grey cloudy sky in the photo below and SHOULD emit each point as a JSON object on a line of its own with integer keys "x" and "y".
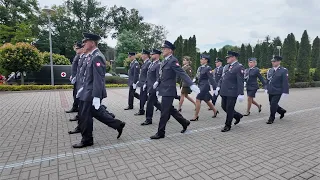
{"x": 217, "y": 23}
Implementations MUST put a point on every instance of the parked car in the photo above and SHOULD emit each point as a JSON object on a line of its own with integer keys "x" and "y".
{"x": 124, "y": 76}
{"x": 108, "y": 74}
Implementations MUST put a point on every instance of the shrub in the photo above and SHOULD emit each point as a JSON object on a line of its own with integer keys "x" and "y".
{"x": 315, "y": 84}
{"x": 300, "y": 85}
{"x": 56, "y": 58}
{"x": 21, "y": 57}
{"x": 116, "y": 80}
{"x": 46, "y": 87}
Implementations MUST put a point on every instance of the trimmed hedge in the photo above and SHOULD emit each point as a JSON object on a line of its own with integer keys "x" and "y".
{"x": 46, "y": 87}
{"x": 116, "y": 80}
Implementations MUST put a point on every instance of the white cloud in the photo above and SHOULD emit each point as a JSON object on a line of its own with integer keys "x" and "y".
{"x": 215, "y": 22}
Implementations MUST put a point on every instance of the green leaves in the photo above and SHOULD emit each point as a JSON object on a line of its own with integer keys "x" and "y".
{"x": 303, "y": 60}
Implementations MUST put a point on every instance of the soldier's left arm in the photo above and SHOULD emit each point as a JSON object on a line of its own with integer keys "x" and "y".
{"x": 180, "y": 72}
{"x": 136, "y": 73}
{"x": 98, "y": 71}
{"x": 285, "y": 81}
{"x": 240, "y": 80}
{"x": 262, "y": 80}
{"x": 211, "y": 79}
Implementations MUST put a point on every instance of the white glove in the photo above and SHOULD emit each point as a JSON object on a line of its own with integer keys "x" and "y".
{"x": 266, "y": 91}
{"x": 155, "y": 85}
{"x": 79, "y": 91}
{"x": 157, "y": 94}
{"x": 195, "y": 89}
{"x": 96, "y": 103}
{"x": 216, "y": 91}
{"x": 240, "y": 98}
{"x": 70, "y": 78}
{"x": 144, "y": 87}
{"x": 134, "y": 86}
{"x": 73, "y": 80}
{"x": 194, "y": 80}
{"x": 284, "y": 95}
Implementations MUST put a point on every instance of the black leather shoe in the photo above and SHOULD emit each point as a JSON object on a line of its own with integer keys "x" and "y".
{"x": 82, "y": 145}
{"x": 185, "y": 127}
{"x": 156, "y": 136}
{"x": 282, "y": 114}
{"x": 74, "y": 119}
{"x": 120, "y": 129}
{"x": 225, "y": 129}
{"x": 128, "y": 108}
{"x": 238, "y": 120}
{"x": 72, "y": 110}
{"x": 75, "y": 131}
{"x": 146, "y": 123}
{"x": 139, "y": 113}
{"x": 270, "y": 121}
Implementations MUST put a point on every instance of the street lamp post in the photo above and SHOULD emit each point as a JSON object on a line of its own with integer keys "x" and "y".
{"x": 49, "y": 12}
{"x": 279, "y": 47}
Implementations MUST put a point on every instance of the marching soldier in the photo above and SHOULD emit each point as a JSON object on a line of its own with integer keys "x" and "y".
{"x": 152, "y": 76}
{"x": 77, "y": 81}
{"x": 142, "y": 81}
{"x": 78, "y": 48}
{"x": 231, "y": 87}
{"x": 217, "y": 75}
{"x": 169, "y": 70}
{"x": 134, "y": 71}
{"x": 251, "y": 75}
{"x": 204, "y": 78}
{"x": 92, "y": 93}
{"x": 277, "y": 87}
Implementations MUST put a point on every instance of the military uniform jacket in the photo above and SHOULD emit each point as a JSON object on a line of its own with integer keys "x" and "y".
{"x": 80, "y": 71}
{"x": 169, "y": 70}
{"x": 250, "y": 76}
{"x": 205, "y": 78}
{"x": 277, "y": 81}
{"x": 152, "y": 75}
{"x": 232, "y": 81}
{"x": 94, "y": 77}
{"x": 188, "y": 70}
{"x": 134, "y": 71}
{"x": 217, "y": 76}
{"x": 143, "y": 73}
{"x": 74, "y": 65}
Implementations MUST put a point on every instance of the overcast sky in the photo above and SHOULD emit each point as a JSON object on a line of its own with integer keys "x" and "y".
{"x": 217, "y": 23}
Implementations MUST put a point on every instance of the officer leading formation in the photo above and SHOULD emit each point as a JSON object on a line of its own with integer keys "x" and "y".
{"x": 157, "y": 78}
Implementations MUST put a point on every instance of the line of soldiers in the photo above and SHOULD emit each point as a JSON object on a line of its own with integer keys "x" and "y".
{"x": 88, "y": 77}
{"x": 157, "y": 78}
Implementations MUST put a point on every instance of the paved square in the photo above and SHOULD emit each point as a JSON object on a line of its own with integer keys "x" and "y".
{"x": 34, "y": 143}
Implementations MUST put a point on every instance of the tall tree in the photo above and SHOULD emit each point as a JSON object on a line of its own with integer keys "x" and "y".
{"x": 264, "y": 55}
{"x": 242, "y": 58}
{"x": 127, "y": 42}
{"x": 256, "y": 54}
{"x": 289, "y": 56}
{"x": 276, "y": 42}
{"x": 213, "y": 56}
{"x": 315, "y": 52}
{"x": 179, "y": 49}
{"x": 193, "y": 52}
{"x": 249, "y": 53}
{"x": 303, "y": 61}
{"x": 18, "y": 21}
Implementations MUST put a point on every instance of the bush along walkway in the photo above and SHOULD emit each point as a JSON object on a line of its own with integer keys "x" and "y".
{"x": 46, "y": 87}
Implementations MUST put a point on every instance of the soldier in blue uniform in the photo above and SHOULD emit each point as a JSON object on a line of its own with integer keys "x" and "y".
{"x": 231, "y": 87}
{"x": 78, "y": 48}
{"x": 92, "y": 93}
{"x": 251, "y": 76}
{"x": 134, "y": 71}
{"x": 152, "y": 77}
{"x": 76, "y": 80}
{"x": 277, "y": 87}
{"x": 204, "y": 78}
{"x": 169, "y": 70}
{"x": 142, "y": 80}
{"x": 217, "y": 76}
